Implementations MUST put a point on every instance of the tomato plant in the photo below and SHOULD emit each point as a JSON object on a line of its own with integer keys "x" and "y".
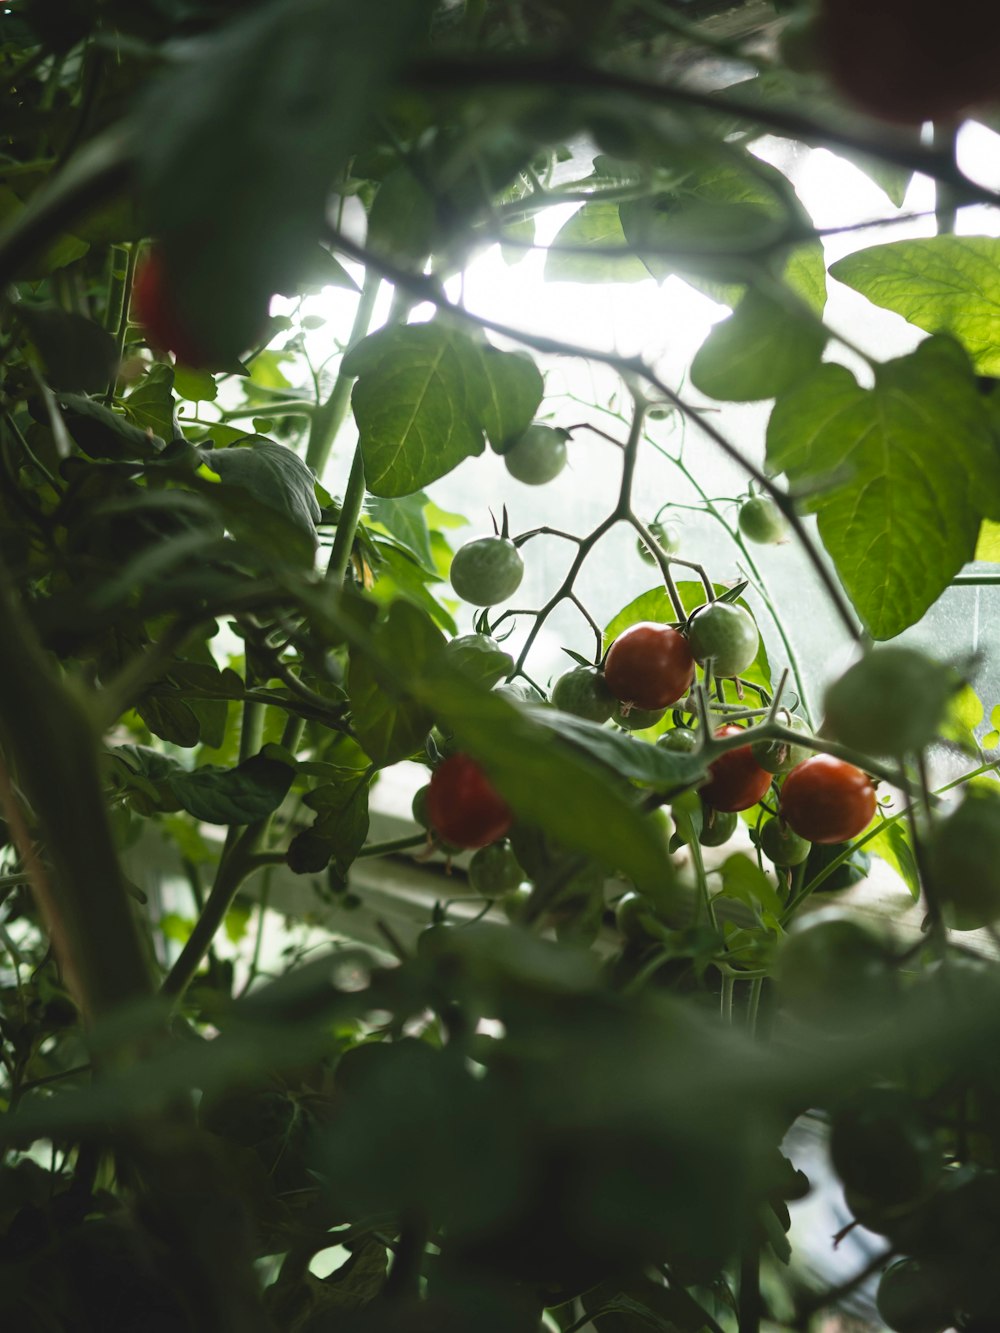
{"x": 736, "y": 781}
{"x": 649, "y": 665}
{"x": 299, "y": 299}
{"x": 463, "y": 806}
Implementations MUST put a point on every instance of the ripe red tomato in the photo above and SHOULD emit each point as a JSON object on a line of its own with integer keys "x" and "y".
{"x": 827, "y": 800}
{"x": 463, "y": 806}
{"x": 649, "y": 665}
{"x": 737, "y": 781}
{"x": 153, "y": 308}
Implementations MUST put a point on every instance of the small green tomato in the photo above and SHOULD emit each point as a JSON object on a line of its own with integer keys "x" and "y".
{"x": 781, "y": 846}
{"x": 583, "y": 693}
{"x": 761, "y": 521}
{"x": 494, "y": 869}
{"x": 667, "y": 537}
{"x": 723, "y": 635}
{"x": 636, "y": 719}
{"x": 717, "y": 827}
{"x": 487, "y": 571}
{"x": 538, "y": 456}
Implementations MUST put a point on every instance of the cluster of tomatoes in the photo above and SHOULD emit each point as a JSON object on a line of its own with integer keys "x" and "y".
{"x": 649, "y": 668}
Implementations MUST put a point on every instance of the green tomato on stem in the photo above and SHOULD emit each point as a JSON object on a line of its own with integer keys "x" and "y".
{"x": 487, "y": 571}
{"x": 667, "y": 537}
{"x": 724, "y": 636}
{"x": 781, "y": 756}
{"x": 584, "y": 693}
{"x": 761, "y": 521}
{"x": 538, "y": 456}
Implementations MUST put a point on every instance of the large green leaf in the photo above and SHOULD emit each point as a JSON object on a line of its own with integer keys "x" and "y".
{"x": 597, "y": 224}
{"x": 268, "y": 496}
{"x": 339, "y": 831}
{"x": 251, "y": 791}
{"x": 259, "y": 118}
{"x": 595, "y": 813}
{"x": 151, "y": 403}
{"x": 944, "y": 284}
{"x": 904, "y": 473}
{"x": 721, "y": 226}
{"x": 426, "y": 394}
{"x": 759, "y": 351}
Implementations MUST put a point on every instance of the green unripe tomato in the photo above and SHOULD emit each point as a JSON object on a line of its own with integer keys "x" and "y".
{"x": 666, "y": 535}
{"x": 636, "y": 719}
{"x": 487, "y": 571}
{"x": 494, "y": 869}
{"x": 514, "y": 900}
{"x": 963, "y": 861}
{"x": 761, "y": 521}
{"x": 915, "y": 1296}
{"x": 680, "y": 739}
{"x": 636, "y": 920}
{"x": 583, "y": 693}
{"x": 717, "y": 827}
{"x": 724, "y": 635}
{"x": 883, "y": 1149}
{"x": 419, "y": 807}
{"x": 891, "y": 702}
{"x": 781, "y": 846}
{"x": 538, "y": 456}
{"x": 480, "y": 657}
{"x": 832, "y": 972}
{"x": 781, "y": 756}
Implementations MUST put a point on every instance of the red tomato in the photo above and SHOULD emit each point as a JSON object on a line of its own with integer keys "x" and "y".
{"x": 827, "y": 800}
{"x": 737, "y": 781}
{"x": 153, "y": 308}
{"x": 462, "y": 805}
{"x": 649, "y": 665}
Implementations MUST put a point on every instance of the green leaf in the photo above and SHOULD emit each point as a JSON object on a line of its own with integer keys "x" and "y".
{"x": 404, "y": 518}
{"x": 399, "y": 575}
{"x": 650, "y": 765}
{"x": 241, "y": 795}
{"x": 171, "y": 718}
{"x": 708, "y": 227}
{"x": 599, "y": 225}
{"x": 988, "y": 543}
{"x": 195, "y": 386}
{"x": 511, "y": 390}
{"x": 390, "y": 725}
{"x": 339, "y": 831}
{"x": 101, "y": 433}
{"x": 762, "y": 349}
{"x": 919, "y": 468}
{"x": 424, "y": 397}
{"x": 943, "y": 284}
{"x": 892, "y": 844}
{"x": 596, "y": 812}
{"x": 418, "y": 405}
{"x": 260, "y": 117}
{"x": 268, "y": 495}
{"x": 403, "y": 219}
{"x": 77, "y": 354}
{"x": 743, "y": 878}
{"x": 151, "y": 403}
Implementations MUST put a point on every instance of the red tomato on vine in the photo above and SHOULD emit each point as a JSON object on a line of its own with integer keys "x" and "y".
{"x": 827, "y": 800}
{"x": 649, "y": 665}
{"x": 463, "y": 806}
{"x": 153, "y": 307}
{"x": 736, "y": 781}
